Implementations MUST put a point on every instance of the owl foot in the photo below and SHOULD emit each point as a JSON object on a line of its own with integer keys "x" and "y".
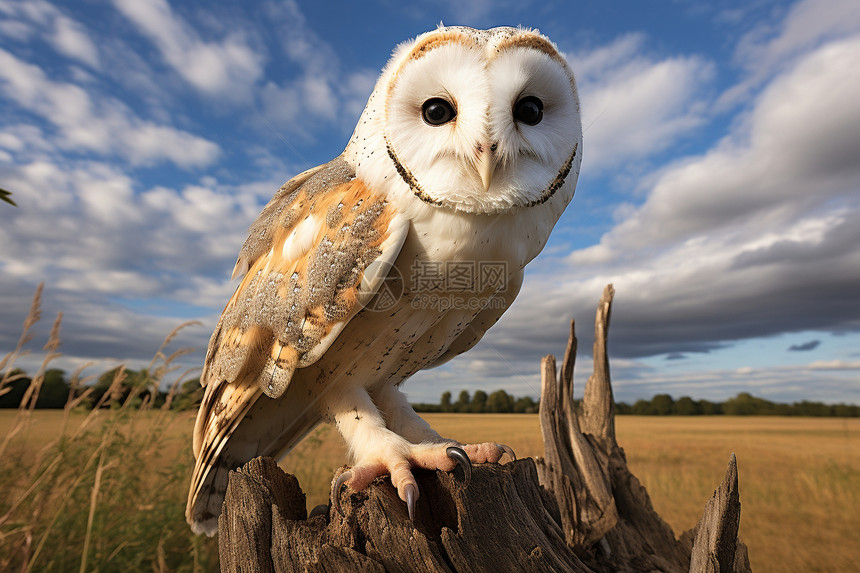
{"x": 427, "y": 456}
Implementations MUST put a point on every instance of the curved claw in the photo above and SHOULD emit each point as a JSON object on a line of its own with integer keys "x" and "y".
{"x": 335, "y": 490}
{"x": 411, "y": 496}
{"x": 507, "y": 449}
{"x": 321, "y": 509}
{"x": 459, "y": 456}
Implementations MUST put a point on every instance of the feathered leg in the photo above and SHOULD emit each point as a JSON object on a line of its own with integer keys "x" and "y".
{"x": 394, "y": 444}
{"x": 403, "y": 420}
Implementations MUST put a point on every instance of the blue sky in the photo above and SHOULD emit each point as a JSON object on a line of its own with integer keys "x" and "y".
{"x": 719, "y": 186}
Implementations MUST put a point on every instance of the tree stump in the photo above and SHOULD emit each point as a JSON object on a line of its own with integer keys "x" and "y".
{"x": 578, "y": 509}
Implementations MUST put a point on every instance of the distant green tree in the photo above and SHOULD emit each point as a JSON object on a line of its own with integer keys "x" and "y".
{"x": 662, "y": 405}
{"x": 135, "y": 382}
{"x": 807, "y": 408}
{"x": 446, "y": 402}
{"x": 16, "y": 388}
{"x": 478, "y": 403}
{"x": 709, "y": 408}
{"x": 54, "y": 392}
{"x": 686, "y": 406}
{"x": 188, "y": 396}
{"x": 641, "y": 408}
{"x": 745, "y": 404}
{"x": 462, "y": 403}
{"x": 500, "y": 402}
{"x": 525, "y": 405}
{"x": 846, "y": 410}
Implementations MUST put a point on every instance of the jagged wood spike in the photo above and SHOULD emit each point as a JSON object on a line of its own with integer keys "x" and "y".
{"x": 556, "y": 471}
{"x": 716, "y": 539}
{"x": 572, "y": 470}
{"x": 549, "y": 416}
{"x": 566, "y": 376}
{"x": 597, "y": 413}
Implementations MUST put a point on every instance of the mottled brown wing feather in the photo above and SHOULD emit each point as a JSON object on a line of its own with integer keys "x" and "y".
{"x": 316, "y": 254}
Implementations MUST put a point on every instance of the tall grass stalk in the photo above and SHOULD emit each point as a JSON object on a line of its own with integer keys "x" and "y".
{"x": 107, "y": 492}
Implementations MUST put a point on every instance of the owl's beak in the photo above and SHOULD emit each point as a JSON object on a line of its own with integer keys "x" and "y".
{"x": 486, "y": 164}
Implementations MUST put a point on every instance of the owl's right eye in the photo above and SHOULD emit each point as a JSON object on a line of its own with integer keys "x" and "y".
{"x": 437, "y": 111}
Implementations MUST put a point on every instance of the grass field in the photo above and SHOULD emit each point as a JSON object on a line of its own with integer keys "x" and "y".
{"x": 799, "y": 482}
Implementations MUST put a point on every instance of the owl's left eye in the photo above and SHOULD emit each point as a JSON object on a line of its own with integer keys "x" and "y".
{"x": 437, "y": 111}
{"x": 529, "y": 110}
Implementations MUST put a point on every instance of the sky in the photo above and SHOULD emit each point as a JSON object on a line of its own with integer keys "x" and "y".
{"x": 720, "y": 179}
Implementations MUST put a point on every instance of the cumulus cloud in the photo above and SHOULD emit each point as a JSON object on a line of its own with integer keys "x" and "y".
{"x": 635, "y": 106}
{"x": 754, "y": 237}
{"x": 228, "y": 68}
{"x": 320, "y": 93}
{"x": 100, "y": 124}
{"x": 39, "y": 18}
{"x": 802, "y": 135}
{"x": 70, "y": 38}
{"x": 125, "y": 265}
{"x": 769, "y": 49}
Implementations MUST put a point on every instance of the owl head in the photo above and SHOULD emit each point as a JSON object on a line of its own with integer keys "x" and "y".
{"x": 481, "y": 121}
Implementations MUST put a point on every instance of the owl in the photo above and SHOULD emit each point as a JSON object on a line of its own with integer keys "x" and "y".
{"x": 394, "y": 257}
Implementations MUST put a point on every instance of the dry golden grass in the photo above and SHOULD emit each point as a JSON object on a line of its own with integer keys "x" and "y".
{"x": 799, "y": 477}
{"x": 100, "y": 490}
{"x": 799, "y": 481}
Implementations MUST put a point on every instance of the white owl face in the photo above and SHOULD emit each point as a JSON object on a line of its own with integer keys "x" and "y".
{"x": 481, "y": 121}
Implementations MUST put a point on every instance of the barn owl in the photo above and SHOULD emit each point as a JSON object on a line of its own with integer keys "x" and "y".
{"x": 394, "y": 257}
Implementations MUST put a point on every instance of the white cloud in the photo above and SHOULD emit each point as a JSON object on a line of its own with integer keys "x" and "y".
{"x": 744, "y": 240}
{"x": 228, "y": 68}
{"x": 834, "y": 365}
{"x": 806, "y": 25}
{"x": 803, "y": 135}
{"x": 321, "y": 93}
{"x": 768, "y": 50}
{"x": 71, "y": 39}
{"x": 100, "y": 124}
{"x": 122, "y": 264}
{"x": 635, "y": 106}
{"x": 37, "y": 17}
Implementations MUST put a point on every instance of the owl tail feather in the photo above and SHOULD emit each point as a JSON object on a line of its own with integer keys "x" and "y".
{"x": 261, "y": 427}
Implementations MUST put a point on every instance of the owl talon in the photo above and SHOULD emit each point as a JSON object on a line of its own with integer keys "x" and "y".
{"x": 411, "y": 496}
{"x": 335, "y": 490}
{"x": 507, "y": 449}
{"x": 321, "y": 509}
{"x": 459, "y": 456}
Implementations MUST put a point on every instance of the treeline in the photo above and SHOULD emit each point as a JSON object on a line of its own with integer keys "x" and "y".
{"x": 56, "y": 388}
{"x": 744, "y": 404}
{"x": 498, "y": 402}
{"x": 137, "y": 384}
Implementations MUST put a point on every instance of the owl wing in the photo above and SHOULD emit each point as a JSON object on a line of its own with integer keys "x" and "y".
{"x": 316, "y": 255}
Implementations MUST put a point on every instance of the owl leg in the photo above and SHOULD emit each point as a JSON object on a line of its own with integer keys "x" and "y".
{"x": 428, "y": 449}
{"x": 378, "y": 448}
{"x": 402, "y": 419}
{"x": 374, "y": 449}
